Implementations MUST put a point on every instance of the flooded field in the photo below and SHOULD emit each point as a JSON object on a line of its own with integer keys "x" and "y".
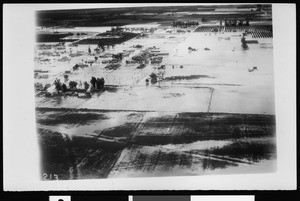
{"x": 174, "y": 102}
{"x": 223, "y": 69}
{"x": 84, "y": 144}
{"x": 150, "y": 98}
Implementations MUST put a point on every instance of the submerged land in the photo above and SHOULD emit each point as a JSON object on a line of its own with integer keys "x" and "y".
{"x": 180, "y": 92}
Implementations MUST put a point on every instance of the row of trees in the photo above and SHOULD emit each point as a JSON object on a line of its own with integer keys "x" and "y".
{"x": 96, "y": 83}
{"x": 184, "y": 24}
{"x": 102, "y": 47}
{"x": 62, "y": 87}
{"x": 235, "y": 23}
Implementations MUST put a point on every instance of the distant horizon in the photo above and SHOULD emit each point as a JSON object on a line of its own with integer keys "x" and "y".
{"x": 133, "y": 5}
{"x": 122, "y": 14}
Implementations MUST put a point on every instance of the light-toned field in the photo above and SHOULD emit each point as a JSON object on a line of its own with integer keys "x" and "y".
{"x": 223, "y": 69}
{"x": 179, "y": 99}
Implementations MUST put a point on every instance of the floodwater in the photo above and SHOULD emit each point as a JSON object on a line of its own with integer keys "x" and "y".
{"x": 81, "y": 29}
{"x": 139, "y": 98}
{"x": 224, "y": 68}
{"x": 210, "y": 116}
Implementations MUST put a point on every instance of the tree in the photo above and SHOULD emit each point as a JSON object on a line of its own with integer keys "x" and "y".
{"x": 76, "y": 67}
{"x": 72, "y": 84}
{"x": 58, "y": 85}
{"x": 89, "y": 50}
{"x": 64, "y": 88}
{"x": 153, "y": 77}
{"x": 86, "y": 85}
{"x": 244, "y": 43}
{"x": 93, "y": 82}
{"x": 98, "y": 83}
{"x": 100, "y": 46}
{"x": 101, "y": 82}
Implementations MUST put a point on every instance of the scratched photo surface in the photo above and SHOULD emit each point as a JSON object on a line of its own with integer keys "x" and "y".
{"x": 155, "y": 91}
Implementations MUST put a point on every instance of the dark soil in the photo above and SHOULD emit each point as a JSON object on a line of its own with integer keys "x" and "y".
{"x": 190, "y": 127}
{"x": 252, "y": 151}
{"x": 76, "y": 157}
{"x": 108, "y": 41}
{"x": 70, "y": 118}
{"x": 50, "y": 38}
{"x": 190, "y": 77}
{"x": 94, "y": 155}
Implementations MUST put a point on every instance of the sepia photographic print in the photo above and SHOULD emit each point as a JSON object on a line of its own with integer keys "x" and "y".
{"x": 127, "y": 92}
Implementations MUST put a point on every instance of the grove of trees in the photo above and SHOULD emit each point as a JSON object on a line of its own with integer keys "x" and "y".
{"x": 184, "y": 24}
{"x": 97, "y": 83}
